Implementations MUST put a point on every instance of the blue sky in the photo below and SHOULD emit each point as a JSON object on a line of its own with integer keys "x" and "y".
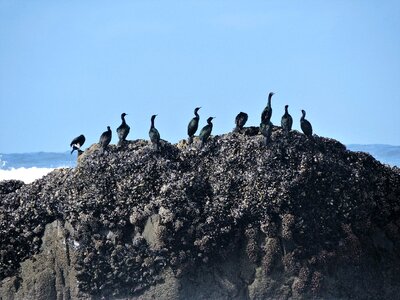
{"x": 72, "y": 67}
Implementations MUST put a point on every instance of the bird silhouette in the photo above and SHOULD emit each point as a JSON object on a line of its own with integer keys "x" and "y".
{"x": 240, "y": 121}
{"x": 206, "y": 131}
{"x": 286, "y": 121}
{"x": 193, "y": 125}
{"x": 305, "y": 125}
{"x": 105, "y": 139}
{"x": 77, "y": 142}
{"x": 154, "y": 134}
{"x": 123, "y": 130}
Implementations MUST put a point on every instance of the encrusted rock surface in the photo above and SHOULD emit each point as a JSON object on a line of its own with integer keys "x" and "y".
{"x": 298, "y": 219}
{"x": 9, "y": 186}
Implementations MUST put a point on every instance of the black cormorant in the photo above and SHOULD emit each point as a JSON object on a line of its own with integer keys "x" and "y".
{"x": 286, "y": 121}
{"x": 77, "y": 142}
{"x": 305, "y": 125}
{"x": 240, "y": 120}
{"x": 105, "y": 139}
{"x": 206, "y": 131}
{"x": 267, "y": 112}
{"x": 123, "y": 130}
{"x": 193, "y": 125}
{"x": 266, "y": 131}
{"x": 154, "y": 134}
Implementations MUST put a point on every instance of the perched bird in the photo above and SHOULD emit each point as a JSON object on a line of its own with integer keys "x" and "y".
{"x": 305, "y": 125}
{"x": 286, "y": 121}
{"x": 193, "y": 125}
{"x": 267, "y": 112}
{"x": 206, "y": 131}
{"x": 77, "y": 143}
{"x": 240, "y": 120}
{"x": 123, "y": 130}
{"x": 154, "y": 134}
{"x": 266, "y": 131}
{"x": 105, "y": 139}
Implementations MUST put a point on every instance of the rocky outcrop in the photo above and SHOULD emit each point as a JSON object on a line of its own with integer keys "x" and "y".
{"x": 50, "y": 274}
{"x": 298, "y": 219}
{"x": 9, "y": 186}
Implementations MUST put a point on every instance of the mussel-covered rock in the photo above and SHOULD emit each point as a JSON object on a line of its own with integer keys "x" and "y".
{"x": 301, "y": 218}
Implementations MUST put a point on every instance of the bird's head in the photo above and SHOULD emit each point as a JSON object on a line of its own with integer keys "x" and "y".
{"x": 123, "y": 115}
{"x": 286, "y": 106}
{"x": 153, "y": 117}
{"x": 108, "y": 128}
{"x": 271, "y": 94}
{"x": 210, "y": 119}
{"x": 303, "y": 112}
{"x": 196, "y": 109}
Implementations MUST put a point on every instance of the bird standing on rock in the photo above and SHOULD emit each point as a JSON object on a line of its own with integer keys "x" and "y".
{"x": 105, "y": 139}
{"x": 206, "y": 131}
{"x": 77, "y": 143}
{"x": 193, "y": 125}
{"x": 123, "y": 130}
{"x": 305, "y": 125}
{"x": 266, "y": 131}
{"x": 240, "y": 120}
{"x": 154, "y": 134}
{"x": 286, "y": 121}
{"x": 267, "y": 112}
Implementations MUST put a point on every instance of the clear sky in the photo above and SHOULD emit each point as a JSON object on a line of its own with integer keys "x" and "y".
{"x": 72, "y": 67}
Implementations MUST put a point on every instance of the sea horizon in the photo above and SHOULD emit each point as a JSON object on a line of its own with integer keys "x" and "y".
{"x": 29, "y": 166}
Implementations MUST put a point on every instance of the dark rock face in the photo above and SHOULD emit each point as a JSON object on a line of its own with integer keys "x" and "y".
{"x": 297, "y": 219}
{"x": 9, "y": 186}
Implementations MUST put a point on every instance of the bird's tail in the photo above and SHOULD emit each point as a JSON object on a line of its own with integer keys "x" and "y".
{"x": 236, "y": 129}
{"x": 190, "y": 140}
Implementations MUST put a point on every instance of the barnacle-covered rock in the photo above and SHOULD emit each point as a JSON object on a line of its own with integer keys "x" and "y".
{"x": 300, "y": 218}
{"x": 9, "y": 186}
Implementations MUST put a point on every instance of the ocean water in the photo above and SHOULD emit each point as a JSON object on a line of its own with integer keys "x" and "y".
{"x": 30, "y": 166}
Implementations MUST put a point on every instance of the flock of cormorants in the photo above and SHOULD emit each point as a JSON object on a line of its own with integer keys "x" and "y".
{"x": 240, "y": 120}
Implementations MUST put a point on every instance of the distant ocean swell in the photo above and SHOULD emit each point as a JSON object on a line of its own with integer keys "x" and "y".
{"x": 31, "y": 166}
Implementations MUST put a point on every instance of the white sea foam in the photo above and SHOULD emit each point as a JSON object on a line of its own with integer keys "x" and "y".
{"x": 27, "y": 175}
